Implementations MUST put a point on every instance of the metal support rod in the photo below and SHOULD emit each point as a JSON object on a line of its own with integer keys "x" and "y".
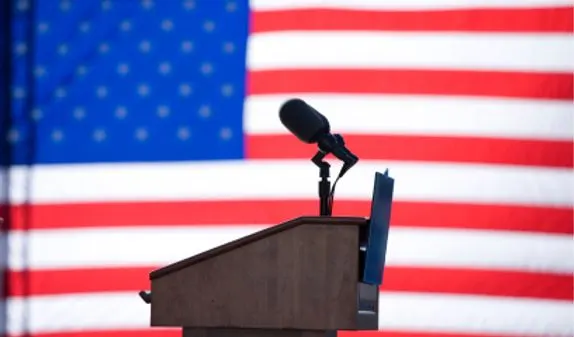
{"x": 324, "y": 183}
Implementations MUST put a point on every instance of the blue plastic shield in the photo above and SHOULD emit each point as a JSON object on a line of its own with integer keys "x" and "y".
{"x": 378, "y": 234}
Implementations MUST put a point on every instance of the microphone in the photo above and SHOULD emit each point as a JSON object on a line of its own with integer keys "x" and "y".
{"x": 310, "y": 126}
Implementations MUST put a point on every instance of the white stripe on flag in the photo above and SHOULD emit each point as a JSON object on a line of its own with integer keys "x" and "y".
{"x": 290, "y": 179}
{"x": 408, "y": 50}
{"x": 422, "y": 115}
{"x": 407, "y": 247}
{"x": 404, "y": 311}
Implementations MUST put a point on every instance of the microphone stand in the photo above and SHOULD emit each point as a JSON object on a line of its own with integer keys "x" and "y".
{"x": 324, "y": 183}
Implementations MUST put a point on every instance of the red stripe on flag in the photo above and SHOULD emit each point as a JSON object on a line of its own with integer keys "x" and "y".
{"x": 526, "y": 20}
{"x": 388, "y": 333}
{"x": 530, "y": 85}
{"x": 404, "y": 279}
{"x": 269, "y": 212}
{"x": 479, "y": 282}
{"x": 176, "y": 332}
{"x": 426, "y": 148}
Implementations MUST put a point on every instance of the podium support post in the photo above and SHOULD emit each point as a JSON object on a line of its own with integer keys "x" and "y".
{"x": 192, "y": 332}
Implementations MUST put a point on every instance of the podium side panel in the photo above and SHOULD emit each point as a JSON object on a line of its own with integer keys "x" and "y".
{"x": 302, "y": 278}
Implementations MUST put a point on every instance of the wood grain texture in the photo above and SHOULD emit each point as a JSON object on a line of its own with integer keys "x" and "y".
{"x": 301, "y": 276}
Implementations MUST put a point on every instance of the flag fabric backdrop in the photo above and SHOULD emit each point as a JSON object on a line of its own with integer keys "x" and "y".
{"x": 156, "y": 121}
{"x": 5, "y": 100}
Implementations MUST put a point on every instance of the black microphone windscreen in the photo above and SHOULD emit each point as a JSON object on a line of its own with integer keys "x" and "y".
{"x": 303, "y": 121}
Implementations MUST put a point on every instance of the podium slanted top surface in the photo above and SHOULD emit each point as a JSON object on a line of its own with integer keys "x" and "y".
{"x": 306, "y": 220}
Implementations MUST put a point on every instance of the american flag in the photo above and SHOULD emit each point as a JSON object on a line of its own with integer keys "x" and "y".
{"x": 134, "y": 122}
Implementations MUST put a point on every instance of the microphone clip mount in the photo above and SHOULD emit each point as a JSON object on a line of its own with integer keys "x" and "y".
{"x": 335, "y": 145}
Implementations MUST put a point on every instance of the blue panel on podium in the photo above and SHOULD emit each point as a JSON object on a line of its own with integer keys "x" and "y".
{"x": 376, "y": 248}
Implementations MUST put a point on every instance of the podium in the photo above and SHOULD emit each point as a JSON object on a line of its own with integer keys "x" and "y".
{"x": 307, "y": 277}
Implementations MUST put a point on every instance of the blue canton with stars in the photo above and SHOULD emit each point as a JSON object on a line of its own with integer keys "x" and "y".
{"x": 128, "y": 80}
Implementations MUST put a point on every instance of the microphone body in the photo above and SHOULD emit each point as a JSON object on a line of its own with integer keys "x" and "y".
{"x": 303, "y": 121}
{"x": 310, "y": 126}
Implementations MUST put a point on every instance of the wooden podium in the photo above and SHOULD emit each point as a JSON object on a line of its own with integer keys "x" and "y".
{"x": 307, "y": 277}
{"x": 299, "y": 278}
